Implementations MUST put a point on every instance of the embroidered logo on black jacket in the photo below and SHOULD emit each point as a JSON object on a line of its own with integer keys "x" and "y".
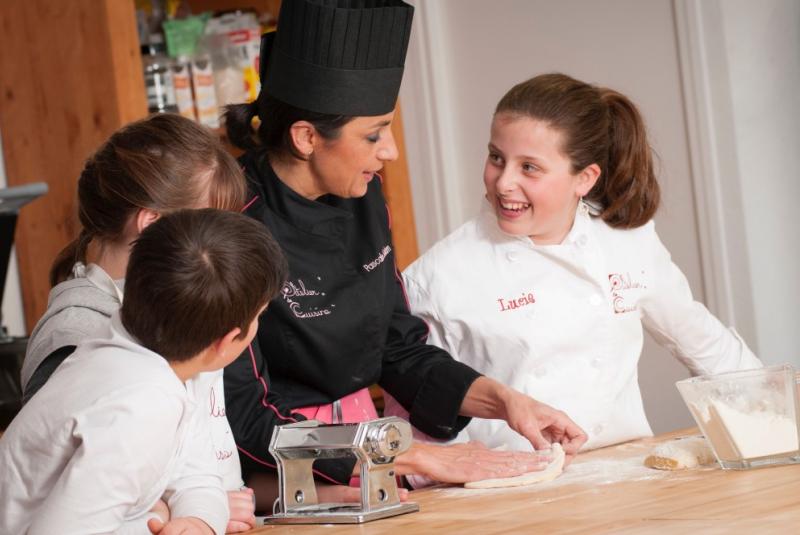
{"x": 296, "y": 295}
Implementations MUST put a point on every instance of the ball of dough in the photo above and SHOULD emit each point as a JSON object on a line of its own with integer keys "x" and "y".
{"x": 680, "y": 454}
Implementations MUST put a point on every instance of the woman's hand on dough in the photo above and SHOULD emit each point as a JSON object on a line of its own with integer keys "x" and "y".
{"x": 472, "y": 461}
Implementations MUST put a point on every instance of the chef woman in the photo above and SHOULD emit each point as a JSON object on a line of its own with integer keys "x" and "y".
{"x": 331, "y": 76}
{"x": 566, "y": 268}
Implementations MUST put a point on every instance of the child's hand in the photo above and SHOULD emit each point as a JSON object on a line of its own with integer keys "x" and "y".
{"x": 542, "y": 424}
{"x": 180, "y": 526}
{"x": 161, "y": 509}
{"x": 243, "y": 506}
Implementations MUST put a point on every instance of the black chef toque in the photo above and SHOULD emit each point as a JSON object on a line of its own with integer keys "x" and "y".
{"x": 338, "y": 57}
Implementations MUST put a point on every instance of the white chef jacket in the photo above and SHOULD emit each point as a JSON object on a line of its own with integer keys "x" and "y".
{"x": 207, "y": 387}
{"x": 563, "y": 323}
{"x": 111, "y": 432}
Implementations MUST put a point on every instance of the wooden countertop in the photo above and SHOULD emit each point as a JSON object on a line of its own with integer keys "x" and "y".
{"x": 603, "y": 491}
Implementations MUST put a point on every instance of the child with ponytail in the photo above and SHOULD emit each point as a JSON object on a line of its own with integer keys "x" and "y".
{"x": 549, "y": 288}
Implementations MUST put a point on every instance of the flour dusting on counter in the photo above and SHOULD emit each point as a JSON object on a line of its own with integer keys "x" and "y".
{"x": 590, "y": 473}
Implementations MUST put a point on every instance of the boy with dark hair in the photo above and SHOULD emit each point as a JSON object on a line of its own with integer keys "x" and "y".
{"x": 115, "y": 430}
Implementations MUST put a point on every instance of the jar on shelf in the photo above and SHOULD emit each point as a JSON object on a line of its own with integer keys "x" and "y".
{"x": 158, "y": 76}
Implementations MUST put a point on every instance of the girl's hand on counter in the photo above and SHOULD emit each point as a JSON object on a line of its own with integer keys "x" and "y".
{"x": 471, "y": 461}
{"x": 242, "y": 505}
{"x": 162, "y": 510}
{"x": 543, "y": 425}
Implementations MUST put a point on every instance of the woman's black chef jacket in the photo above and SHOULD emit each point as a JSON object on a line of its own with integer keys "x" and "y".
{"x": 340, "y": 324}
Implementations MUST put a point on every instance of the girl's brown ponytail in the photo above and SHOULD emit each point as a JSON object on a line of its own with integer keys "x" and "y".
{"x": 75, "y": 251}
{"x": 628, "y": 188}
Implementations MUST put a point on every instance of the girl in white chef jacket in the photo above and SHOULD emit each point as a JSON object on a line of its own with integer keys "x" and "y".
{"x": 547, "y": 290}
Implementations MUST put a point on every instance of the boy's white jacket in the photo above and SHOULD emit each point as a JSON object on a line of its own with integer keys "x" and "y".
{"x": 79, "y": 309}
{"x": 563, "y": 323}
{"x": 112, "y": 431}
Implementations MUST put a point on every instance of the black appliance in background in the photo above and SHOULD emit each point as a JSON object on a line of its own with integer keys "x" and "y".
{"x": 12, "y": 349}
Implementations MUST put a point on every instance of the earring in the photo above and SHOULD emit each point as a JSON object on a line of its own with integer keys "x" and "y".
{"x": 582, "y": 208}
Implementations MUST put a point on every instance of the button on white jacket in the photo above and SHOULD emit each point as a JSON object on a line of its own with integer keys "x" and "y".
{"x": 563, "y": 323}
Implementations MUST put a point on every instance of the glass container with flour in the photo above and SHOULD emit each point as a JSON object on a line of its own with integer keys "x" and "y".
{"x": 749, "y": 417}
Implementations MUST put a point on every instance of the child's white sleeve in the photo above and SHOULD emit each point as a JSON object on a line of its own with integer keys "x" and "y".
{"x": 137, "y": 526}
{"x": 120, "y": 455}
{"x": 196, "y": 489}
{"x": 684, "y": 326}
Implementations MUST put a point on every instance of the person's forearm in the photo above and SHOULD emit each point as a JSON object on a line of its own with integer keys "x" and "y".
{"x": 486, "y": 398}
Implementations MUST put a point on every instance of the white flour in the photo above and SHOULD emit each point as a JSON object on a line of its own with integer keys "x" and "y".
{"x": 752, "y": 434}
{"x": 594, "y": 473}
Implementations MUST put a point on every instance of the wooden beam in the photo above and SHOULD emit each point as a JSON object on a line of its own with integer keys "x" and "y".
{"x": 397, "y": 189}
{"x": 70, "y": 75}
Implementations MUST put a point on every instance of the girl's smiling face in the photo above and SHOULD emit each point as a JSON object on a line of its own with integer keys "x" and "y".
{"x": 529, "y": 180}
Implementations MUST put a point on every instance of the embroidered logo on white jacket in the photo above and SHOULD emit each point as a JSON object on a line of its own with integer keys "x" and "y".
{"x": 621, "y": 286}
{"x": 379, "y": 260}
{"x": 293, "y": 292}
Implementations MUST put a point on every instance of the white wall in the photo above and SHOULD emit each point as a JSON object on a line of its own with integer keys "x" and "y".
{"x": 717, "y": 82}
{"x": 13, "y": 317}
{"x": 762, "y": 44}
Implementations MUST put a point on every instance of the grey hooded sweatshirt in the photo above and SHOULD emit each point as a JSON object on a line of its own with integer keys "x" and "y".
{"x": 76, "y": 310}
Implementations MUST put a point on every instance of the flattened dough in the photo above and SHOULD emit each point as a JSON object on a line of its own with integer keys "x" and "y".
{"x": 552, "y": 471}
{"x": 679, "y": 454}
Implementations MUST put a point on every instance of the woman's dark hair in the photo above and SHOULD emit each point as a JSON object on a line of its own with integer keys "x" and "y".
{"x": 165, "y": 162}
{"x": 276, "y": 118}
{"x": 601, "y": 126}
{"x": 195, "y": 275}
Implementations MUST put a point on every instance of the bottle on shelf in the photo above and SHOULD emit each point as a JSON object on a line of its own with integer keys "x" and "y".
{"x": 158, "y": 76}
{"x": 182, "y": 79}
{"x": 205, "y": 95}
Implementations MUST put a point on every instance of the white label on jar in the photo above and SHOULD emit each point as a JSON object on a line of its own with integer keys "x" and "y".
{"x": 183, "y": 91}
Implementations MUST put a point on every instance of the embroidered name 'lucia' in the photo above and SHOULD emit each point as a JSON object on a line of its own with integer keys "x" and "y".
{"x": 379, "y": 260}
{"x": 519, "y": 302}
